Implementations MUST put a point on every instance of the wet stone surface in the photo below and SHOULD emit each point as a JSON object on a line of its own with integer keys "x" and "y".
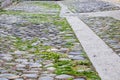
{"x": 84, "y": 6}
{"x": 107, "y": 28}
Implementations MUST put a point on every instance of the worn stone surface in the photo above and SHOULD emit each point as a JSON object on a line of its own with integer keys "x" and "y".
{"x": 98, "y": 52}
{"x": 107, "y": 28}
{"x": 84, "y": 6}
{"x": 33, "y": 7}
{"x": 46, "y": 78}
{"x": 79, "y": 79}
{"x": 22, "y": 44}
{"x": 7, "y": 75}
{"x": 63, "y": 77}
{"x": 30, "y": 76}
{"x": 3, "y": 79}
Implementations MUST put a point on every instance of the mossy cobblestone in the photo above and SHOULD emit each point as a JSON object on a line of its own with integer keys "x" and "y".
{"x": 40, "y": 49}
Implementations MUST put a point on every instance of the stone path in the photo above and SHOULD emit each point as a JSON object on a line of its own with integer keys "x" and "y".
{"x": 108, "y": 32}
{"x": 38, "y": 46}
{"x": 113, "y": 1}
{"x": 103, "y": 58}
{"x": 114, "y": 14}
{"x": 32, "y": 8}
{"x": 86, "y": 6}
{"x": 100, "y": 22}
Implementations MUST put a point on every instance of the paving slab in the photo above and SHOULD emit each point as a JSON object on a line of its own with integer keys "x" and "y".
{"x": 104, "y": 59}
{"x": 115, "y": 14}
{"x": 105, "y": 9}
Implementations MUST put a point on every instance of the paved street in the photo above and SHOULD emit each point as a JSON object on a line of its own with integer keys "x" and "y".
{"x": 60, "y": 40}
{"x": 36, "y": 44}
{"x": 97, "y": 28}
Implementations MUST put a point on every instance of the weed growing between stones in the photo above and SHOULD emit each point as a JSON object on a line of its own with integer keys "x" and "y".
{"x": 10, "y": 12}
{"x": 54, "y": 56}
{"x": 45, "y": 39}
{"x": 63, "y": 64}
{"x": 39, "y": 18}
{"x": 107, "y": 28}
{"x": 6, "y": 44}
{"x": 48, "y": 5}
{"x": 72, "y": 68}
{"x": 28, "y": 45}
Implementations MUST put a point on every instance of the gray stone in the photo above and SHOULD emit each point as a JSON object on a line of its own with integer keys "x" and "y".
{"x": 31, "y": 72}
{"x": 21, "y": 60}
{"x": 45, "y": 72}
{"x": 36, "y": 69}
{"x": 35, "y": 65}
{"x": 36, "y": 43}
{"x": 111, "y": 41}
{"x": 54, "y": 50}
{"x": 9, "y": 76}
{"x": 75, "y": 53}
{"x": 91, "y": 6}
{"x": 119, "y": 54}
{"x": 19, "y": 52}
{"x": 2, "y": 71}
{"x": 79, "y": 79}
{"x": 5, "y": 55}
{"x": 3, "y": 79}
{"x": 20, "y": 69}
{"x": 116, "y": 46}
{"x": 64, "y": 50}
{"x": 30, "y": 76}
{"x": 69, "y": 35}
{"x": 70, "y": 56}
{"x": 20, "y": 66}
{"x": 19, "y": 79}
{"x": 49, "y": 65}
{"x": 47, "y": 62}
{"x": 64, "y": 59}
{"x": 76, "y": 47}
{"x": 51, "y": 69}
{"x": 46, "y": 78}
{"x": 118, "y": 50}
{"x": 63, "y": 77}
{"x": 78, "y": 57}
{"x": 29, "y": 56}
{"x": 70, "y": 40}
{"x": 7, "y": 58}
{"x": 117, "y": 36}
{"x": 10, "y": 64}
{"x": 80, "y": 70}
{"x": 50, "y": 75}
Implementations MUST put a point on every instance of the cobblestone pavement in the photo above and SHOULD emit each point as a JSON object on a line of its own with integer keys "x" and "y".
{"x": 101, "y": 55}
{"x": 103, "y": 23}
{"x": 34, "y": 7}
{"x": 85, "y": 6}
{"x": 42, "y": 49}
{"x": 107, "y": 28}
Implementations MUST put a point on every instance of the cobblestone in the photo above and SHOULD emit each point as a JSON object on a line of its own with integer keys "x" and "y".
{"x": 109, "y": 35}
{"x": 25, "y": 60}
{"x": 80, "y": 6}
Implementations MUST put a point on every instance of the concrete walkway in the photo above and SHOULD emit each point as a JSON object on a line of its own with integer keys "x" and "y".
{"x": 115, "y": 14}
{"x": 105, "y": 61}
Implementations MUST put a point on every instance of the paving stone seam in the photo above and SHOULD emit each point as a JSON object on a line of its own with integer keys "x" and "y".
{"x": 103, "y": 57}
